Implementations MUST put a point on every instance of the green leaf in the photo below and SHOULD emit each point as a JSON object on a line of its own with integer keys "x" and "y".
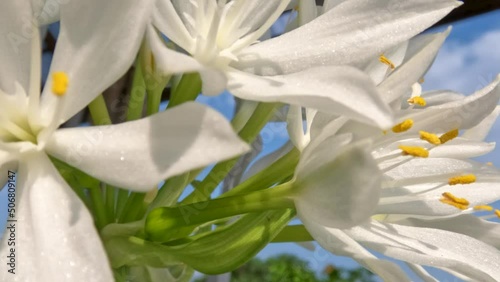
{"x": 231, "y": 246}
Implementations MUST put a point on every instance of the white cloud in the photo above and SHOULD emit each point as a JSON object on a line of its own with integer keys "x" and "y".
{"x": 466, "y": 67}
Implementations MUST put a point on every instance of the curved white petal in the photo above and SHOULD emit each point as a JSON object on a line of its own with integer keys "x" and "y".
{"x": 461, "y": 114}
{"x": 168, "y": 21}
{"x": 470, "y": 225}
{"x": 55, "y": 237}
{"x": 480, "y": 131}
{"x": 431, "y": 247}
{"x": 7, "y": 163}
{"x": 138, "y": 155}
{"x": 97, "y": 44}
{"x": 338, "y": 189}
{"x": 46, "y": 11}
{"x": 421, "y": 53}
{"x": 340, "y": 90}
{"x": 351, "y": 32}
{"x": 460, "y": 148}
{"x": 379, "y": 71}
{"x": 423, "y": 199}
{"x": 339, "y": 243}
{"x": 15, "y": 47}
{"x": 439, "y": 97}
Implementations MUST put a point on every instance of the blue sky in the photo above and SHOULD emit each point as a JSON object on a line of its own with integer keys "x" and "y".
{"x": 469, "y": 59}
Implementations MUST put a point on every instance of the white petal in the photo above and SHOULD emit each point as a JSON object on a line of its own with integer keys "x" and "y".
{"x": 470, "y": 225}
{"x": 138, "y": 155}
{"x": 94, "y": 53}
{"x": 7, "y": 163}
{"x": 423, "y": 200}
{"x": 340, "y": 90}
{"x": 350, "y": 32}
{"x": 15, "y": 47}
{"x": 460, "y": 114}
{"x": 170, "y": 62}
{"x": 46, "y": 11}
{"x": 431, "y": 247}
{"x": 421, "y": 53}
{"x": 339, "y": 191}
{"x": 439, "y": 97}
{"x": 378, "y": 71}
{"x": 55, "y": 235}
{"x": 167, "y": 20}
{"x": 480, "y": 131}
{"x": 339, "y": 243}
{"x": 460, "y": 148}
{"x": 295, "y": 127}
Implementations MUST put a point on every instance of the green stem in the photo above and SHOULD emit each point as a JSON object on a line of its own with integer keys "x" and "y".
{"x": 137, "y": 94}
{"x": 110, "y": 202}
{"x": 170, "y": 191}
{"x": 154, "y": 98}
{"x": 250, "y": 131}
{"x": 133, "y": 207}
{"x": 277, "y": 171}
{"x": 121, "y": 201}
{"x": 187, "y": 90}
{"x": 161, "y": 222}
{"x": 99, "y": 111}
{"x": 98, "y": 207}
{"x": 293, "y": 233}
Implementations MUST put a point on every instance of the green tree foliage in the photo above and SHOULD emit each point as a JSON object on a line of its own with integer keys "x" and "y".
{"x": 289, "y": 268}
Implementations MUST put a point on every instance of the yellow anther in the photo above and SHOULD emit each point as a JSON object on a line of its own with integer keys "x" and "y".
{"x": 448, "y": 136}
{"x": 462, "y": 179}
{"x": 417, "y": 100}
{"x": 384, "y": 60}
{"x": 60, "y": 83}
{"x": 414, "y": 151}
{"x": 296, "y": 8}
{"x": 384, "y": 132}
{"x": 450, "y": 199}
{"x": 421, "y": 80}
{"x": 402, "y": 127}
{"x": 483, "y": 208}
{"x": 489, "y": 163}
{"x": 429, "y": 137}
{"x": 497, "y": 213}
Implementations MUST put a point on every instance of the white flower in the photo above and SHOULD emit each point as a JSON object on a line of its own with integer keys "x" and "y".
{"x": 429, "y": 184}
{"x": 306, "y": 67}
{"x": 55, "y": 237}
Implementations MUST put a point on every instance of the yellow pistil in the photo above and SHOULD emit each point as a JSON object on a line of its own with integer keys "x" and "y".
{"x": 414, "y": 151}
{"x": 402, "y": 127}
{"x": 450, "y": 199}
{"x": 448, "y": 136}
{"x": 462, "y": 179}
{"x": 430, "y": 137}
{"x": 421, "y": 80}
{"x": 60, "y": 83}
{"x": 384, "y": 60}
{"x": 497, "y": 213}
{"x": 417, "y": 100}
{"x": 483, "y": 208}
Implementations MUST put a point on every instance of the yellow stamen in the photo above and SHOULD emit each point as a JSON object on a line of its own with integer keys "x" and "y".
{"x": 384, "y": 60}
{"x": 489, "y": 163}
{"x": 450, "y": 199}
{"x": 450, "y": 135}
{"x": 429, "y": 137}
{"x": 497, "y": 213}
{"x": 417, "y": 100}
{"x": 483, "y": 208}
{"x": 384, "y": 132}
{"x": 414, "y": 151}
{"x": 463, "y": 179}
{"x": 60, "y": 83}
{"x": 402, "y": 127}
{"x": 421, "y": 80}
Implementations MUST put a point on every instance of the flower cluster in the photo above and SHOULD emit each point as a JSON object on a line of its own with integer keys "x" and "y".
{"x": 373, "y": 164}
